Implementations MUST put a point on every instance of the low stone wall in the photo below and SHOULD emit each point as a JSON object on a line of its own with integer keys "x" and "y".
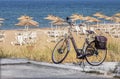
{"x": 117, "y": 70}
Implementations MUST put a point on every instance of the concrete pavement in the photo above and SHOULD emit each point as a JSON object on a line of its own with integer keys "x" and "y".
{"x": 26, "y": 69}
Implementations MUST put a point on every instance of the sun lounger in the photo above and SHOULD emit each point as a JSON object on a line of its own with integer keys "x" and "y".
{"x": 77, "y": 29}
{"x": 84, "y": 30}
{"x": 54, "y": 33}
{"x": 93, "y": 29}
{"x": 2, "y": 36}
{"x": 19, "y": 40}
{"x": 25, "y": 38}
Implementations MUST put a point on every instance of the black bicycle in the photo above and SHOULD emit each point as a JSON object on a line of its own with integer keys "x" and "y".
{"x": 94, "y": 52}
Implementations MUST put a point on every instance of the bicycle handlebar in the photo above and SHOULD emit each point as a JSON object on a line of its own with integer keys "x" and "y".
{"x": 68, "y": 20}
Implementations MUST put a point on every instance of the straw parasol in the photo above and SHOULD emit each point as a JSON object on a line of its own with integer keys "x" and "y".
{"x": 50, "y": 17}
{"x": 99, "y": 15}
{"x": 75, "y": 17}
{"x": 117, "y": 14}
{"x": 117, "y": 19}
{"x": 26, "y": 21}
{"x": 23, "y": 17}
{"x": 88, "y": 18}
{"x": 102, "y": 16}
{"x": 108, "y": 18}
{"x": 93, "y": 20}
{"x": 53, "y": 18}
{"x": 59, "y": 22}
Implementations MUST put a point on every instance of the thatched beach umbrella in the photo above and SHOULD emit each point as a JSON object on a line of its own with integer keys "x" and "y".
{"x": 117, "y": 14}
{"x": 116, "y": 19}
{"x": 27, "y": 21}
{"x": 53, "y": 18}
{"x": 88, "y": 18}
{"x": 75, "y": 17}
{"x": 60, "y": 22}
{"x": 108, "y": 18}
{"x": 93, "y": 20}
{"x": 50, "y": 17}
{"x": 24, "y": 17}
{"x": 99, "y": 15}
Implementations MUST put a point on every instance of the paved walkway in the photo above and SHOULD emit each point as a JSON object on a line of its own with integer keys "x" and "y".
{"x": 25, "y": 69}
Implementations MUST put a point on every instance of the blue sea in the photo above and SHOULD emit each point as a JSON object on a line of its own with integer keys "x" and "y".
{"x": 39, "y": 9}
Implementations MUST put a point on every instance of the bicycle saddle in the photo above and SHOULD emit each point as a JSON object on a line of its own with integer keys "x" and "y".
{"x": 90, "y": 31}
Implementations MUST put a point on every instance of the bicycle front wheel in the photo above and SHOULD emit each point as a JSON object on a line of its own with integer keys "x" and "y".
{"x": 60, "y": 51}
{"x": 95, "y": 56}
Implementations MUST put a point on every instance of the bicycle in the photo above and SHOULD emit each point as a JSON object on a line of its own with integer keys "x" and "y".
{"x": 93, "y": 55}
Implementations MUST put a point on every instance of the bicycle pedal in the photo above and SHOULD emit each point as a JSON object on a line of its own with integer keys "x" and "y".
{"x": 81, "y": 57}
{"x": 79, "y": 50}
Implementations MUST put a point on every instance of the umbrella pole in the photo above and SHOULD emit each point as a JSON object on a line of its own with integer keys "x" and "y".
{"x": 56, "y": 27}
{"x": 97, "y": 25}
{"x": 51, "y": 26}
{"x": 27, "y": 28}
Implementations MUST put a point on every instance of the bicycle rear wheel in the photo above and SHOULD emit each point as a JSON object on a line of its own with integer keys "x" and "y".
{"x": 60, "y": 51}
{"x": 95, "y": 56}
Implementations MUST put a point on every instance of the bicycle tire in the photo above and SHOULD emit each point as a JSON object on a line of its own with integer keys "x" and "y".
{"x": 92, "y": 54}
{"x": 59, "y": 51}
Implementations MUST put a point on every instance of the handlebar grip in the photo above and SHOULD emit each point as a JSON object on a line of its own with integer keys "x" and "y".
{"x": 67, "y": 18}
{"x": 69, "y": 21}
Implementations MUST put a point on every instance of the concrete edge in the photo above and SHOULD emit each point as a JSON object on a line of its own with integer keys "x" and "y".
{"x": 63, "y": 66}
{"x": 57, "y": 65}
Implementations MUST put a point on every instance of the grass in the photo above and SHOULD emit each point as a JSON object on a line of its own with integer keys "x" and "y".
{"x": 42, "y": 50}
{"x": 113, "y": 50}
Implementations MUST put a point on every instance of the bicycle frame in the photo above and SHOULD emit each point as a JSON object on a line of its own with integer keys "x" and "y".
{"x": 70, "y": 36}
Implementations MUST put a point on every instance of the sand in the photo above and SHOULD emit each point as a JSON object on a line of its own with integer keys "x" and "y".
{"x": 42, "y": 41}
{"x": 42, "y": 37}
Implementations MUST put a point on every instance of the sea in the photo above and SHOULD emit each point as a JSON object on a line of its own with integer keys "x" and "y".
{"x": 10, "y": 10}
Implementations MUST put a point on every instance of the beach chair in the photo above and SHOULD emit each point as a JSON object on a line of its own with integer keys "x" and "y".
{"x": 32, "y": 37}
{"x": 2, "y": 36}
{"x": 52, "y": 40}
{"x": 63, "y": 33}
{"x": 53, "y": 33}
{"x": 77, "y": 29}
{"x": 26, "y": 35}
{"x": 84, "y": 30}
{"x": 93, "y": 29}
{"x": 19, "y": 40}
